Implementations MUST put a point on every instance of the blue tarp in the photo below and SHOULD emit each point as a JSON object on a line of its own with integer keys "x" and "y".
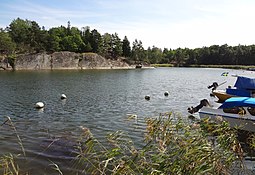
{"x": 238, "y": 101}
{"x": 245, "y": 83}
{"x": 238, "y": 92}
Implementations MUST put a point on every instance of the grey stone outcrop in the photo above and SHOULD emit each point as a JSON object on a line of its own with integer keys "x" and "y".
{"x": 66, "y": 60}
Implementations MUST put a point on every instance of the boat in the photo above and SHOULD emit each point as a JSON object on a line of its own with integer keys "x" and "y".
{"x": 238, "y": 111}
{"x": 138, "y": 66}
{"x": 222, "y": 95}
{"x": 244, "y": 87}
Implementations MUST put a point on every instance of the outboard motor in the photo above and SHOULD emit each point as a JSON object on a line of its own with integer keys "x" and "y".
{"x": 203, "y": 102}
{"x": 213, "y": 86}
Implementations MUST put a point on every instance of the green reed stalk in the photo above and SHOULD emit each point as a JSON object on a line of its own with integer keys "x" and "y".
{"x": 172, "y": 146}
{"x": 17, "y": 135}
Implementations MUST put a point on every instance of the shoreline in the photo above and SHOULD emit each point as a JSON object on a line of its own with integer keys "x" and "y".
{"x": 153, "y": 66}
{"x": 78, "y": 69}
{"x": 245, "y": 67}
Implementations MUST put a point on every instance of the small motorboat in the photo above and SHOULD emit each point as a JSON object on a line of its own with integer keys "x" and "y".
{"x": 138, "y": 66}
{"x": 222, "y": 95}
{"x": 238, "y": 111}
{"x": 244, "y": 87}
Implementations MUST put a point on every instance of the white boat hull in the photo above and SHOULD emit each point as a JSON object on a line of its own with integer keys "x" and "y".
{"x": 244, "y": 122}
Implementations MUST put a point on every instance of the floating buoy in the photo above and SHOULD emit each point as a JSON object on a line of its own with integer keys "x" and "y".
{"x": 166, "y": 93}
{"x": 147, "y": 97}
{"x": 39, "y": 105}
{"x": 132, "y": 116}
{"x": 63, "y": 96}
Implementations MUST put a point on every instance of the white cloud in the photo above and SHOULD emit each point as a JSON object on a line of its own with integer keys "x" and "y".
{"x": 162, "y": 23}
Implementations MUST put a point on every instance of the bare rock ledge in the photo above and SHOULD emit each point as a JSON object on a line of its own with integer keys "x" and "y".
{"x": 65, "y": 60}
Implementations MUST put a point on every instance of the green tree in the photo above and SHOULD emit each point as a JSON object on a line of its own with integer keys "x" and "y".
{"x": 168, "y": 55}
{"x": 7, "y": 46}
{"x": 193, "y": 57}
{"x": 126, "y": 47}
{"x": 203, "y": 55}
{"x": 155, "y": 55}
{"x": 86, "y": 35}
{"x": 87, "y": 48}
{"x": 57, "y": 34}
{"x": 53, "y": 43}
{"x": 19, "y": 32}
{"x": 116, "y": 46}
{"x": 72, "y": 43}
{"x": 36, "y": 37}
{"x": 43, "y": 40}
{"x": 239, "y": 54}
{"x": 96, "y": 41}
{"x": 107, "y": 45}
{"x": 138, "y": 53}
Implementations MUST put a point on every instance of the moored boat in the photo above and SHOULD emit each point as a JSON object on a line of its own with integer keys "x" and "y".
{"x": 244, "y": 87}
{"x": 138, "y": 66}
{"x": 238, "y": 111}
{"x": 222, "y": 95}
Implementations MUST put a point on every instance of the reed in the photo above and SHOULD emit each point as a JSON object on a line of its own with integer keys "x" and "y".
{"x": 8, "y": 165}
{"x": 171, "y": 146}
{"x": 7, "y": 162}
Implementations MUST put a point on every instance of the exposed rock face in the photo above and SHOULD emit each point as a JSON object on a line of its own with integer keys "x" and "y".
{"x": 4, "y": 65}
{"x": 66, "y": 60}
{"x": 33, "y": 61}
{"x": 91, "y": 61}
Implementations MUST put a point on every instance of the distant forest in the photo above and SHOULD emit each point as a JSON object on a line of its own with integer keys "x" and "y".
{"x": 25, "y": 36}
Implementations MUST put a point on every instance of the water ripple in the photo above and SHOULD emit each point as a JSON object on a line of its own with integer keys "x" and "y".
{"x": 100, "y": 100}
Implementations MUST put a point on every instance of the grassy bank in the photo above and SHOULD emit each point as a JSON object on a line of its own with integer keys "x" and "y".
{"x": 224, "y": 66}
{"x": 162, "y": 65}
{"x": 245, "y": 67}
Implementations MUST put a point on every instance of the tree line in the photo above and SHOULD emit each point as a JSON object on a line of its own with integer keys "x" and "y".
{"x": 25, "y": 36}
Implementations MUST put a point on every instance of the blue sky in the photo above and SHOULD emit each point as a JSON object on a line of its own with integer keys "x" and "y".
{"x": 160, "y": 23}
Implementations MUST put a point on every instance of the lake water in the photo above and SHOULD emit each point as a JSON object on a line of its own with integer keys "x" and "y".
{"x": 100, "y": 100}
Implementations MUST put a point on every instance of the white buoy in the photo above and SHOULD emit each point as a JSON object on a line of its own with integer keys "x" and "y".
{"x": 63, "y": 96}
{"x": 166, "y": 93}
{"x": 132, "y": 116}
{"x": 147, "y": 97}
{"x": 39, "y": 105}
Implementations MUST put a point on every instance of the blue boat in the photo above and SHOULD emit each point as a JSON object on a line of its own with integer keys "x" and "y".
{"x": 244, "y": 87}
{"x": 238, "y": 111}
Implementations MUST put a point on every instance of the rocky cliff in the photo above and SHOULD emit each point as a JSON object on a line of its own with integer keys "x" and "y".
{"x": 64, "y": 60}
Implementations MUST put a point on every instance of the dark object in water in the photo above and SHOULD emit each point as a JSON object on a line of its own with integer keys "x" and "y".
{"x": 166, "y": 93}
{"x": 203, "y": 102}
{"x": 63, "y": 96}
{"x": 213, "y": 86}
{"x": 61, "y": 148}
{"x": 147, "y": 97}
{"x": 138, "y": 66}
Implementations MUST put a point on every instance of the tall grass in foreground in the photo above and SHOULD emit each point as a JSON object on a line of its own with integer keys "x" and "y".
{"x": 7, "y": 162}
{"x": 171, "y": 146}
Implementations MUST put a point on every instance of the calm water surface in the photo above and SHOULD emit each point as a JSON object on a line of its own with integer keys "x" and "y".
{"x": 100, "y": 100}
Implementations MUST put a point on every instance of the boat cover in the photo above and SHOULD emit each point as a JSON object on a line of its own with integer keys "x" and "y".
{"x": 245, "y": 83}
{"x": 238, "y": 101}
{"x": 239, "y": 92}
